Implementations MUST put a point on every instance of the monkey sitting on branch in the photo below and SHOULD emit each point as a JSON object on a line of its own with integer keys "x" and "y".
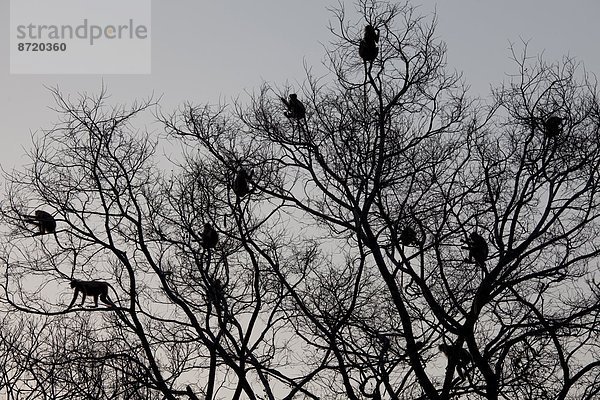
{"x": 209, "y": 236}
{"x": 409, "y": 237}
{"x": 95, "y": 289}
{"x": 241, "y": 185}
{"x": 295, "y": 108}
{"x": 478, "y": 249}
{"x": 553, "y": 126}
{"x": 460, "y": 355}
{"x": 43, "y": 220}
{"x": 215, "y": 291}
{"x": 367, "y": 48}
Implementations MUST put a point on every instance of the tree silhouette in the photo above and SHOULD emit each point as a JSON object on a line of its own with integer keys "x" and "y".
{"x": 312, "y": 290}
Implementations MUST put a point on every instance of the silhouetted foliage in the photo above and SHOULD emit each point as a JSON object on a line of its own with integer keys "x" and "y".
{"x": 345, "y": 275}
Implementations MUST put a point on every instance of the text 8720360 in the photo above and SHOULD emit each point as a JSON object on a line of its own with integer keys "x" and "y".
{"x": 35, "y": 46}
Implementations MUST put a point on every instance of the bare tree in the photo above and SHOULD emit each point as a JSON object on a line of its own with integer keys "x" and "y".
{"x": 66, "y": 358}
{"x": 397, "y": 239}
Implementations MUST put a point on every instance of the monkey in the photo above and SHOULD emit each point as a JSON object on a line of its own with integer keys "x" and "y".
{"x": 295, "y": 108}
{"x": 240, "y": 184}
{"x": 43, "y": 220}
{"x": 478, "y": 248}
{"x": 97, "y": 289}
{"x": 553, "y": 126}
{"x": 367, "y": 51}
{"x": 209, "y": 237}
{"x": 216, "y": 297}
{"x": 367, "y": 48}
{"x": 462, "y": 357}
{"x": 216, "y": 289}
{"x": 419, "y": 344}
{"x": 408, "y": 237}
{"x": 216, "y": 294}
{"x": 371, "y": 34}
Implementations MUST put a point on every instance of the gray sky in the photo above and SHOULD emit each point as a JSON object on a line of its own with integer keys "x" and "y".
{"x": 209, "y": 51}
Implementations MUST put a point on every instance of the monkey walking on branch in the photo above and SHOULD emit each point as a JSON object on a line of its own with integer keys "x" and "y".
{"x": 95, "y": 289}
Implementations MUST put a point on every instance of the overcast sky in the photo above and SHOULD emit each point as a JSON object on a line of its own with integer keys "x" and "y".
{"x": 206, "y": 51}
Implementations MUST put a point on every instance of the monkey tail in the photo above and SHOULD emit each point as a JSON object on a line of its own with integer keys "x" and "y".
{"x": 114, "y": 292}
{"x": 57, "y": 241}
{"x": 365, "y": 84}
